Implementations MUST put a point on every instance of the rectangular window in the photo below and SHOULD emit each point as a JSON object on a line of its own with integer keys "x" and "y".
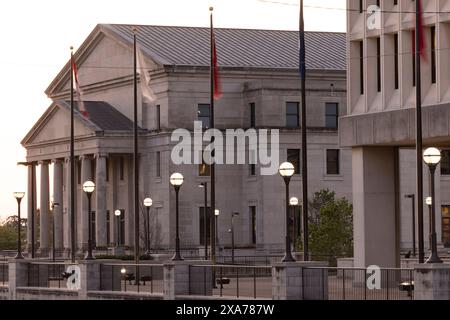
{"x": 361, "y": 67}
{"x": 433, "y": 54}
{"x": 204, "y": 115}
{"x": 253, "y": 224}
{"x": 252, "y": 115}
{"x": 108, "y": 227}
{"x": 293, "y": 156}
{"x": 396, "y": 79}
{"x": 445, "y": 162}
{"x": 292, "y": 116}
{"x": 252, "y": 170}
{"x": 378, "y": 65}
{"x": 331, "y": 115}
{"x": 122, "y": 168}
{"x": 158, "y": 118}
{"x": 158, "y": 164}
{"x": 202, "y": 225}
{"x": 333, "y": 161}
{"x": 107, "y": 169}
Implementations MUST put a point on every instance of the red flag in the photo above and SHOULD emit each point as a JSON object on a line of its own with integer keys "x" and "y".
{"x": 217, "y": 82}
{"x": 422, "y": 44}
{"x": 81, "y": 106}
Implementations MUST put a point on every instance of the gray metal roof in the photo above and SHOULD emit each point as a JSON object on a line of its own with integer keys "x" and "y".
{"x": 189, "y": 46}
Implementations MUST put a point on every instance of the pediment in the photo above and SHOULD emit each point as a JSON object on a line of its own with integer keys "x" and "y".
{"x": 54, "y": 125}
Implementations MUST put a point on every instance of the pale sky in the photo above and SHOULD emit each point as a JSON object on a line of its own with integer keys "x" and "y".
{"x": 36, "y": 37}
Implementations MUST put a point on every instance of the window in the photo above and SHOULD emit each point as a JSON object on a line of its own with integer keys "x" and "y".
{"x": 204, "y": 115}
{"x": 204, "y": 170}
{"x": 252, "y": 170}
{"x": 333, "y": 162}
{"x": 108, "y": 227}
{"x": 445, "y": 162}
{"x": 433, "y": 54}
{"x": 252, "y": 115}
{"x": 252, "y": 210}
{"x": 107, "y": 169}
{"x": 446, "y": 226}
{"x": 331, "y": 115}
{"x": 396, "y": 81}
{"x": 158, "y": 164}
{"x": 121, "y": 168}
{"x": 378, "y": 65}
{"x": 361, "y": 67}
{"x": 293, "y": 156}
{"x": 202, "y": 225}
{"x": 292, "y": 118}
{"x": 158, "y": 118}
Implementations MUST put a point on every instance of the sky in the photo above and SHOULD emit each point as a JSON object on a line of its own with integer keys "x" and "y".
{"x": 37, "y": 35}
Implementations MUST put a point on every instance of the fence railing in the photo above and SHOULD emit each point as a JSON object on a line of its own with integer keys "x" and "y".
{"x": 46, "y": 274}
{"x": 123, "y": 277}
{"x": 358, "y": 284}
{"x": 4, "y": 273}
{"x": 252, "y": 282}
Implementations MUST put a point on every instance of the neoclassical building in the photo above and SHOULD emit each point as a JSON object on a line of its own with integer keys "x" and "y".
{"x": 259, "y": 73}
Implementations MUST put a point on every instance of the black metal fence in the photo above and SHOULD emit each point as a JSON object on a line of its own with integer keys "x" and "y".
{"x": 232, "y": 281}
{"x": 4, "y": 271}
{"x": 122, "y": 277}
{"x": 359, "y": 284}
{"x": 47, "y": 274}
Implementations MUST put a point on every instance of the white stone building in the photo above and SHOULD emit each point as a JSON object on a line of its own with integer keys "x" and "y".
{"x": 259, "y": 72}
{"x": 380, "y": 123}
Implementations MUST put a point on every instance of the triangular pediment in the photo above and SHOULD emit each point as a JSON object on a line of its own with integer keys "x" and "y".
{"x": 104, "y": 58}
{"x": 54, "y": 125}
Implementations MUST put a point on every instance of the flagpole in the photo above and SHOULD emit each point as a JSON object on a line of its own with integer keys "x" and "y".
{"x": 304, "y": 135}
{"x": 136, "y": 162}
{"x": 419, "y": 145}
{"x": 72, "y": 162}
{"x": 213, "y": 168}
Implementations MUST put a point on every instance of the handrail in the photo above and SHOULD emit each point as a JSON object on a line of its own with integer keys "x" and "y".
{"x": 355, "y": 269}
{"x": 229, "y": 266}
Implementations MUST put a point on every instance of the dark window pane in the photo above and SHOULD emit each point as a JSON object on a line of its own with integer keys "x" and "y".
{"x": 202, "y": 225}
{"x": 252, "y": 169}
{"x": 204, "y": 115}
{"x": 253, "y": 223}
{"x": 332, "y": 161}
{"x": 331, "y": 115}
{"x": 445, "y": 162}
{"x": 292, "y": 118}
{"x": 252, "y": 115}
{"x": 108, "y": 228}
{"x": 158, "y": 164}
{"x": 293, "y": 156}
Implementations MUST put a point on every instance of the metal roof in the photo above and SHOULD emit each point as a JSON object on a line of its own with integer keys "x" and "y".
{"x": 189, "y": 46}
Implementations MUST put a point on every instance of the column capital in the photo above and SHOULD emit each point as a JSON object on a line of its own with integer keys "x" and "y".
{"x": 44, "y": 162}
{"x": 101, "y": 155}
{"x": 85, "y": 157}
{"x": 59, "y": 160}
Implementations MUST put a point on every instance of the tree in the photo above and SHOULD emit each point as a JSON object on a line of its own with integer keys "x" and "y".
{"x": 8, "y": 233}
{"x": 155, "y": 229}
{"x": 331, "y": 227}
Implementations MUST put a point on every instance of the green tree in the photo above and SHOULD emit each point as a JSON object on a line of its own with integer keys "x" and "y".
{"x": 8, "y": 233}
{"x": 331, "y": 227}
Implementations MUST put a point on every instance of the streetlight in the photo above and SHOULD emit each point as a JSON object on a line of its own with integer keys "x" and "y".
{"x": 89, "y": 188}
{"x": 293, "y": 202}
{"x": 19, "y": 196}
{"x": 147, "y": 204}
{"x": 117, "y": 213}
{"x": 286, "y": 171}
{"x": 232, "y": 235}
{"x": 429, "y": 202}
{"x": 176, "y": 180}
{"x": 123, "y": 271}
{"x": 413, "y": 199}
{"x": 216, "y": 218}
{"x": 53, "y": 205}
{"x": 432, "y": 157}
{"x": 204, "y": 185}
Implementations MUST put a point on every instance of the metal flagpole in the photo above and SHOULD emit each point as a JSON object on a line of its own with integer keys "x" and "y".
{"x": 72, "y": 163}
{"x": 136, "y": 163}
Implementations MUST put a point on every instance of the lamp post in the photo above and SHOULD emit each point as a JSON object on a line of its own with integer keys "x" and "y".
{"x": 216, "y": 218}
{"x": 293, "y": 202}
{"x": 19, "y": 196}
{"x": 117, "y": 213}
{"x": 232, "y": 235}
{"x": 286, "y": 171}
{"x": 413, "y": 198}
{"x": 432, "y": 157}
{"x": 176, "y": 180}
{"x": 204, "y": 185}
{"x": 429, "y": 202}
{"x": 148, "y": 204}
{"x": 53, "y": 205}
{"x": 89, "y": 188}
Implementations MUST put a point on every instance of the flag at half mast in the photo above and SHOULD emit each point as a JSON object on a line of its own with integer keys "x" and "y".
{"x": 143, "y": 69}
{"x": 79, "y": 92}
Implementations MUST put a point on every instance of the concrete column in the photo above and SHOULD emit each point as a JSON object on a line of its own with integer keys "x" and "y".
{"x": 44, "y": 208}
{"x": 31, "y": 205}
{"x": 86, "y": 175}
{"x": 17, "y": 276}
{"x": 58, "y": 198}
{"x": 100, "y": 196}
{"x": 374, "y": 206}
{"x": 432, "y": 282}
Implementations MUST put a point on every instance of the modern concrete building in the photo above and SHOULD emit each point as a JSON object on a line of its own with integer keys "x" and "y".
{"x": 380, "y": 122}
{"x": 259, "y": 72}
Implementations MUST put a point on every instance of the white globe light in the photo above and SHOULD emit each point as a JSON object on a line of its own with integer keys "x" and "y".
{"x": 88, "y": 187}
{"x": 286, "y": 169}
{"x": 217, "y": 212}
{"x": 429, "y": 201}
{"x": 148, "y": 202}
{"x": 432, "y": 156}
{"x": 176, "y": 179}
{"x": 293, "y": 201}
{"x": 19, "y": 195}
{"x": 117, "y": 213}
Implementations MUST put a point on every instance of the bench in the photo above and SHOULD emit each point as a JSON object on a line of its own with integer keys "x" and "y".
{"x": 222, "y": 281}
{"x": 146, "y": 278}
